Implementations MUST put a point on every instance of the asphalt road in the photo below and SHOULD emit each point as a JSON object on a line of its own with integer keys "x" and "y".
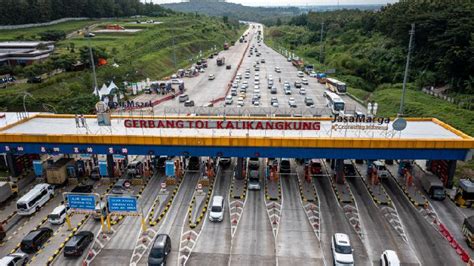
{"x": 429, "y": 246}
{"x": 213, "y": 245}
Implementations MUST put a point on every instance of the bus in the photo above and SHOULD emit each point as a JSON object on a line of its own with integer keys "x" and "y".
{"x": 334, "y": 102}
{"x": 336, "y": 86}
{"x": 34, "y": 199}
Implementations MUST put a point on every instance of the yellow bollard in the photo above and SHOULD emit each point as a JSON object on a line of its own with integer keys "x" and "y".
{"x": 108, "y": 224}
{"x": 102, "y": 222}
{"x": 143, "y": 223}
{"x": 68, "y": 221}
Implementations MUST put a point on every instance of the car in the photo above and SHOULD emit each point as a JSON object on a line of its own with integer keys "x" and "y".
{"x": 287, "y": 91}
{"x": 183, "y": 98}
{"x": 189, "y": 103}
{"x": 389, "y": 258}
{"x": 304, "y": 81}
{"x": 349, "y": 169}
{"x": 161, "y": 162}
{"x": 121, "y": 186}
{"x": 160, "y": 250}
{"x": 303, "y": 91}
{"x": 233, "y": 92}
{"x": 315, "y": 166}
{"x": 286, "y": 84}
{"x": 269, "y": 86}
{"x": 211, "y": 56}
{"x": 256, "y": 87}
{"x": 228, "y": 67}
{"x": 35, "y": 239}
{"x": 175, "y": 81}
{"x": 257, "y": 78}
{"x": 275, "y": 104}
{"x": 256, "y": 82}
{"x": 216, "y": 212}
{"x": 202, "y": 70}
{"x": 89, "y": 34}
{"x": 240, "y": 103}
{"x": 258, "y": 54}
{"x": 288, "y": 59}
{"x": 273, "y": 90}
{"x": 235, "y": 85}
{"x": 256, "y": 91}
{"x": 225, "y": 161}
{"x": 313, "y": 74}
{"x": 263, "y": 60}
{"x": 300, "y": 74}
{"x": 228, "y": 100}
{"x": 285, "y": 166}
{"x": 242, "y": 95}
{"x": 292, "y": 102}
{"x": 76, "y": 245}
{"x": 341, "y": 249}
{"x": 297, "y": 84}
{"x": 277, "y": 70}
{"x": 36, "y": 79}
{"x": 257, "y": 69}
{"x": 243, "y": 88}
{"x": 209, "y": 104}
{"x": 256, "y": 103}
{"x": 14, "y": 259}
{"x": 247, "y": 75}
{"x": 254, "y": 180}
{"x": 273, "y": 100}
{"x": 82, "y": 189}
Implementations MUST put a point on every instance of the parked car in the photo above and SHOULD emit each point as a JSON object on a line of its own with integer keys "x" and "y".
{"x": 228, "y": 67}
{"x": 304, "y": 81}
{"x": 37, "y": 79}
{"x": 349, "y": 169}
{"x": 342, "y": 249}
{"x": 300, "y": 74}
{"x": 160, "y": 250}
{"x": 389, "y": 258}
{"x": 78, "y": 243}
{"x": 189, "y": 103}
{"x": 292, "y": 102}
{"x": 14, "y": 259}
{"x": 35, "y": 239}
{"x": 183, "y": 97}
{"x": 212, "y": 77}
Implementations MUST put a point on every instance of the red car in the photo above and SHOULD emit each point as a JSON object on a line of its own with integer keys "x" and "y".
{"x": 315, "y": 167}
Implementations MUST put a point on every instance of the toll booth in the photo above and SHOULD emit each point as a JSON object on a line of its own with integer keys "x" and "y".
{"x": 444, "y": 169}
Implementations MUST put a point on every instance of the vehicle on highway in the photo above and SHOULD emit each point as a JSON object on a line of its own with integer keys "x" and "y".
{"x": 389, "y": 258}
{"x": 257, "y": 78}
{"x": 175, "y": 81}
{"x": 304, "y": 81}
{"x": 308, "y": 101}
{"x": 257, "y": 68}
{"x": 256, "y": 91}
{"x": 36, "y": 79}
{"x": 256, "y": 82}
{"x": 247, "y": 75}
{"x": 242, "y": 95}
{"x": 468, "y": 230}
{"x": 297, "y": 84}
{"x": 99, "y": 211}
{"x": 194, "y": 163}
{"x": 286, "y": 84}
{"x": 349, "y": 169}
{"x": 277, "y": 70}
{"x": 135, "y": 167}
{"x": 341, "y": 249}
{"x": 58, "y": 215}
{"x": 121, "y": 186}
{"x": 315, "y": 167}
{"x": 82, "y": 189}
{"x": 189, "y": 103}
{"x": 34, "y": 199}
{"x": 14, "y": 259}
{"x": 254, "y": 180}
{"x": 228, "y": 67}
{"x": 336, "y": 86}
{"x": 313, "y": 74}
{"x": 292, "y": 102}
{"x": 253, "y": 163}
{"x": 287, "y": 91}
{"x": 243, "y": 88}
{"x": 233, "y": 92}
{"x": 238, "y": 76}
{"x": 300, "y": 74}
{"x": 274, "y": 100}
{"x": 35, "y": 239}
{"x": 212, "y": 77}
{"x": 160, "y": 250}
{"x": 240, "y": 102}
{"x": 334, "y": 102}
{"x": 228, "y": 100}
{"x": 256, "y": 103}
{"x": 433, "y": 186}
{"x": 381, "y": 169}
{"x": 216, "y": 212}
{"x": 225, "y": 161}
{"x": 270, "y": 85}
{"x": 285, "y": 166}
{"x": 273, "y": 90}
{"x": 78, "y": 243}
{"x": 7, "y": 190}
{"x": 183, "y": 97}
{"x": 303, "y": 91}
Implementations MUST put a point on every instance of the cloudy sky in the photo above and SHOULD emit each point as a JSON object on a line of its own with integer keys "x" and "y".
{"x": 292, "y": 2}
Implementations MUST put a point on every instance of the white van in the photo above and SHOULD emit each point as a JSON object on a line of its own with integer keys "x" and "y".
{"x": 58, "y": 215}
{"x": 34, "y": 199}
{"x": 381, "y": 169}
{"x": 216, "y": 212}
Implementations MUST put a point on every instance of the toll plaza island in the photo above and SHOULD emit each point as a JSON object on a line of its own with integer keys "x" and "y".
{"x": 210, "y": 156}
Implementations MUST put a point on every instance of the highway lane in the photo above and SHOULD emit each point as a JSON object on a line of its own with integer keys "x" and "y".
{"x": 334, "y": 221}
{"x": 213, "y": 245}
{"x": 429, "y": 246}
{"x": 173, "y": 222}
{"x": 296, "y": 243}
{"x": 253, "y": 242}
{"x": 378, "y": 234}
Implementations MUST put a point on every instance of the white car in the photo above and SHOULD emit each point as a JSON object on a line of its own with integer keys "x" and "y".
{"x": 277, "y": 70}
{"x": 175, "y": 81}
{"x": 211, "y": 77}
{"x": 287, "y": 91}
{"x": 228, "y": 100}
{"x": 247, "y": 75}
{"x": 389, "y": 258}
{"x": 341, "y": 249}
{"x": 14, "y": 259}
{"x": 300, "y": 74}
{"x": 257, "y": 78}
{"x": 256, "y": 82}
{"x": 292, "y": 102}
{"x": 313, "y": 74}
{"x": 303, "y": 91}
{"x": 256, "y": 103}
{"x": 202, "y": 70}
{"x": 240, "y": 103}
{"x": 257, "y": 91}
{"x": 256, "y": 87}
{"x": 304, "y": 81}
{"x": 216, "y": 212}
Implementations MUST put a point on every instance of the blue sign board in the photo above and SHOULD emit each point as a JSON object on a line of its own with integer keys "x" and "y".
{"x": 38, "y": 167}
{"x": 122, "y": 204}
{"x": 80, "y": 201}
{"x": 103, "y": 168}
{"x": 169, "y": 170}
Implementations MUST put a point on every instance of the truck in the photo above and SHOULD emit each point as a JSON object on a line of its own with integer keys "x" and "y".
{"x": 297, "y": 62}
{"x": 7, "y": 190}
{"x": 308, "y": 69}
{"x": 57, "y": 172}
{"x": 220, "y": 61}
{"x": 468, "y": 230}
{"x": 433, "y": 186}
{"x": 322, "y": 78}
{"x": 226, "y": 46}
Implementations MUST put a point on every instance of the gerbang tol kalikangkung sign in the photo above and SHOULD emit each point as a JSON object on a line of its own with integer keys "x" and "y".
{"x": 222, "y": 124}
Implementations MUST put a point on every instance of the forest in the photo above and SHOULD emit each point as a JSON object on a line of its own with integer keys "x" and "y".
{"x": 35, "y": 11}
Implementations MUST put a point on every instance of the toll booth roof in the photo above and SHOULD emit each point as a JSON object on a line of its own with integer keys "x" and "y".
{"x": 423, "y": 129}
{"x": 467, "y": 185}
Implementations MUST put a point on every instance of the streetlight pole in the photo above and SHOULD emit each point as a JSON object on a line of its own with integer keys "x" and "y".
{"x": 321, "y": 44}
{"x": 24, "y": 104}
{"x": 405, "y": 77}
{"x": 92, "y": 61}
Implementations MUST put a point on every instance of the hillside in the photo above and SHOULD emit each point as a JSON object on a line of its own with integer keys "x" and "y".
{"x": 235, "y": 11}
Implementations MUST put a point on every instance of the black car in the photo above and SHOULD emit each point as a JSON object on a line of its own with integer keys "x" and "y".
{"x": 33, "y": 241}
{"x": 228, "y": 67}
{"x": 285, "y": 166}
{"x": 189, "y": 103}
{"x": 160, "y": 250}
{"x": 193, "y": 163}
{"x": 82, "y": 189}
{"x": 225, "y": 161}
{"x": 161, "y": 162}
{"x": 359, "y": 161}
{"x": 349, "y": 169}
{"x": 35, "y": 80}
{"x": 78, "y": 243}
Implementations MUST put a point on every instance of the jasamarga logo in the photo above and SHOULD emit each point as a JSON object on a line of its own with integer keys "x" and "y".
{"x": 360, "y": 122}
